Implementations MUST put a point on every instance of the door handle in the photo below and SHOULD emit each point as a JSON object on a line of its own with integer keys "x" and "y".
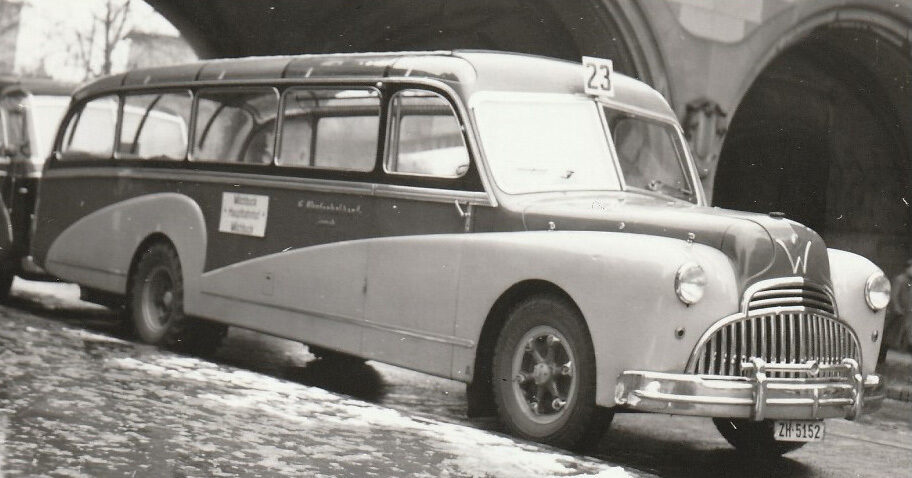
{"x": 465, "y": 214}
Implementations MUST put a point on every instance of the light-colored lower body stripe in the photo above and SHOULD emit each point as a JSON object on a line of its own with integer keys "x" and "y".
{"x": 460, "y": 342}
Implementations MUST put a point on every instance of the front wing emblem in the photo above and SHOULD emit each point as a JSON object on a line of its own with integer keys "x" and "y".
{"x": 799, "y": 261}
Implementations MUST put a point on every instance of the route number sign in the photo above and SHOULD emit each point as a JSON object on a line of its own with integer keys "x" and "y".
{"x": 598, "y": 75}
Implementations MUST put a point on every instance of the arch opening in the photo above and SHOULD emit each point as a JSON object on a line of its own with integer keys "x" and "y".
{"x": 824, "y": 135}
{"x": 565, "y": 29}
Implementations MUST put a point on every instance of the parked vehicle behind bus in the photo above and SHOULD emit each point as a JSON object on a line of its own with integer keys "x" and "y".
{"x": 30, "y": 113}
{"x": 532, "y": 227}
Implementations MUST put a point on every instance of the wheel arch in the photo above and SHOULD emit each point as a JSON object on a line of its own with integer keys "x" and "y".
{"x": 479, "y": 392}
{"x": 146, "y": 243}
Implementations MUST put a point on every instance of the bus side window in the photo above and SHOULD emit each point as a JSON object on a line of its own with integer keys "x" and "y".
{"x": 90, "y": 133}
{"x": 155, "y": 125}
{"x": 236, "y": 125}
{"x": 330, "y": 129}
{"x": 425, "y": 137}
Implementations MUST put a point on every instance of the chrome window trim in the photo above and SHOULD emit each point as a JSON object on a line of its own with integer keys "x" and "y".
{"x": 118, "y": 155}
{"x": 222, "y": 87}
{"x": 430, "y": 194}
{"x": 475, "y": 150}
{"x": 688, "y": 166}
{"x": 280, "y": 125}
{"x": 390, "y": 131}
{"x": 329, "y": 82}
{"x": 74, "y": 112}
{"x": 282, "y": 182}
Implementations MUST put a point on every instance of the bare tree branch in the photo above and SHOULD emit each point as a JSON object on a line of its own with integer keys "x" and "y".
{"x": 109, "y": 28}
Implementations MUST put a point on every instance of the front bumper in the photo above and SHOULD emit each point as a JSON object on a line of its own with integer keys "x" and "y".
{"x": 812, "y": 391}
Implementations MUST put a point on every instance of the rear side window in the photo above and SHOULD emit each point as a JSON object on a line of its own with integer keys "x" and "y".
{"x": 330, "y": 129}
{"x": 236, "y": 125}
{"x": 91, "y": 131}
{"x": 155, "y": 125}
{"x": 425, "y": 136}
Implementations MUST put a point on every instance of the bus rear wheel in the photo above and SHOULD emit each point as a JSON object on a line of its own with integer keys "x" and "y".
{"x": 156, "y": 305}
{"x": 544, "y": 375}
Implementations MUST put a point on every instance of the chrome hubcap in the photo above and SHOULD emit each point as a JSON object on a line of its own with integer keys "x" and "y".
{"x": 157, "y": 298}
{"x": 544, "y": 380}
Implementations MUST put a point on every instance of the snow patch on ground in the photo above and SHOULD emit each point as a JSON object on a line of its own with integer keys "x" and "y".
{"x": 84, "y": 404}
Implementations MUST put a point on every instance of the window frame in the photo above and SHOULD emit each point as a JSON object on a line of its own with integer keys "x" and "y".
{"x": 286, "y": 92}
{"x": 684, "y": 160}
{"x": 120, "y": 156}
{"x": 392, "y": 128}
{"x": 70, "y": 123}
{"x": 194, "y": 120}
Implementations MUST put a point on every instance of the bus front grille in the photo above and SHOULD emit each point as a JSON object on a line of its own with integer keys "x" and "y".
{"x": 798, "y": 337}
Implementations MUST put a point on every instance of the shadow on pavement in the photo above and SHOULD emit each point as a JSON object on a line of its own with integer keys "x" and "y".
{"x": 678, "y": 459}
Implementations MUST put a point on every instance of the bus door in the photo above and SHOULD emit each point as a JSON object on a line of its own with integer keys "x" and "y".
{"x": 422, "y": 211}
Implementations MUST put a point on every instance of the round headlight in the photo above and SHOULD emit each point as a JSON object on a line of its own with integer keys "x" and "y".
{"x": 877, "y": 291}
{"x": 690, "y": 283}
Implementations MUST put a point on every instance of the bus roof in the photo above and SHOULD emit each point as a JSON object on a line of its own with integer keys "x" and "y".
{"x": 466, "y": 71}
{"x": 35, "y": 86}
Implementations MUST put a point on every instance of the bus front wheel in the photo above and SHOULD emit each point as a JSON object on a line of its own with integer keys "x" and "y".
{"x": 544, "y": 375}
{"x": 156, "y": 304}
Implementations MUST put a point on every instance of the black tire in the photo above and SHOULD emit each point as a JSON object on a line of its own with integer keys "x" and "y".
{"x": 156, "y": 305}
{"x": 6, "y": 283}
{"x": 754, "y": 439}
{"x": 540, "y": 334}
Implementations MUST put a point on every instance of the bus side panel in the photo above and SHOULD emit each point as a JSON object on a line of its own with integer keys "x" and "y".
{"x": 313, "y": 294}
{"x": 98, "y": 249}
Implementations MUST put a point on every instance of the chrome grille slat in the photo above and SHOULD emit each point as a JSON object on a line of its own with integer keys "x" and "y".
{"x": 791, "y": 324}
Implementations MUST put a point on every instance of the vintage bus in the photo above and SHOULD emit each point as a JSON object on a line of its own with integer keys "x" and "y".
{"x": 30, "y": 113}
{"x": 532, "y": 227}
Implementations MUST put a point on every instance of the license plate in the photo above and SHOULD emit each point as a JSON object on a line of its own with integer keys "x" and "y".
{"x": 798, "y": 430}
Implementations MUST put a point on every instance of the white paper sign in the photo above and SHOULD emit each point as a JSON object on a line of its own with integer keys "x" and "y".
{"x": 597, "y": 77}
{"x": 244, "y": 214}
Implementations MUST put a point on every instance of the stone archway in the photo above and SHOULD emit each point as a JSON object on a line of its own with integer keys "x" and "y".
{"x": 565, "y": 29}
{"x": 824, "y": 134}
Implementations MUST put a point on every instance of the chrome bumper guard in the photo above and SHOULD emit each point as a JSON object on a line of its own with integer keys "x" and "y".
{"x": 843, "y": 392}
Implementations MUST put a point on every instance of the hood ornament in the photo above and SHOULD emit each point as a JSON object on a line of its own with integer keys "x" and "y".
{"x": 799, "y": 261}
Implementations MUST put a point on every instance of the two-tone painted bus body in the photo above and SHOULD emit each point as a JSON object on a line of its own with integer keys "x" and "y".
{"x": 472, "y": 215}
{"x": 30, "y": 113}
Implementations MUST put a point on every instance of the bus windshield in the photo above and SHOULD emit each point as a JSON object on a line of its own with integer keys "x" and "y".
{"x": 552, "y": 143}
{"x": 545, "y": 144}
